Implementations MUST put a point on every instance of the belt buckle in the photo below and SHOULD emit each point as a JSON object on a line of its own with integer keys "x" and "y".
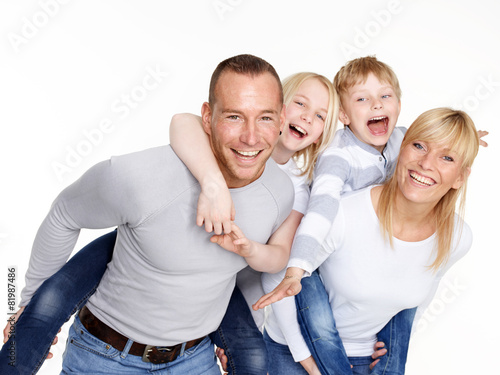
{"x": 166, "y": 350}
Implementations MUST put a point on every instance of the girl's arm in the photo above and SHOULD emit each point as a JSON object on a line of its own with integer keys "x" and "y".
{"x": 191, "y": 144}
{"x": 271, "y": 257}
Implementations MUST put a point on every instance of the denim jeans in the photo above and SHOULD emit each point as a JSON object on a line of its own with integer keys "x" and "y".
{"x": 361, "y": 365}
{"x": 52, "y": 305}
{"x": 66, "y": 291}
{"x": 85, "y": 354}
{"x": 241, "y": 340}
{"x": 281, "y": 361}
{"x": 318, "y": 328}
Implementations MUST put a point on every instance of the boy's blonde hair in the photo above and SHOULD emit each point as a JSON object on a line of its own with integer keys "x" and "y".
{"x": 357, "y": 71}
{"x": 308, "y": 156}
{"x": 455, "y": 129}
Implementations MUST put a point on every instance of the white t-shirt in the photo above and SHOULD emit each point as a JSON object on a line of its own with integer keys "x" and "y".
{"x": 367, "y": 281}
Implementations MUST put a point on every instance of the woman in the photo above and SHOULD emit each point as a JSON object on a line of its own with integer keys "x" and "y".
{"x": 413, "y": 233}
{"x": 67, "y": 291}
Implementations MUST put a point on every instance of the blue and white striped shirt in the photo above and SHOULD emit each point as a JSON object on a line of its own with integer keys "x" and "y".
{"x": 346, "y": 165}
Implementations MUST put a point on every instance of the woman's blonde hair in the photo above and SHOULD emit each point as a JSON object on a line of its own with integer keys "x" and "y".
{"x": 456, "y": 130}
{"x": 308, "y": 156}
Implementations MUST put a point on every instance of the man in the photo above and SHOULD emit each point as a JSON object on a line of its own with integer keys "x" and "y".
{"x": 167, "y": 286}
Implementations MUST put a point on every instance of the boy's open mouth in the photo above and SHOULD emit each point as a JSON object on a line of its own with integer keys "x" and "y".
{"x": 378, "y": 125}
{"x": 297, "y": 131}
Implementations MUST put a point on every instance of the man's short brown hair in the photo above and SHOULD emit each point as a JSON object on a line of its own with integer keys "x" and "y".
{"x": 242, "y": 64}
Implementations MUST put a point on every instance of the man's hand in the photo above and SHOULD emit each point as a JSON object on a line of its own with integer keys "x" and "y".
{"x": 12, "y": 320}
{"x": 379, "y": 352}
{"x": 215, "y": 208}
{"x": 235, "y": 241}
{"x": 10, "y": 323}
{"x": 289, "y": 286}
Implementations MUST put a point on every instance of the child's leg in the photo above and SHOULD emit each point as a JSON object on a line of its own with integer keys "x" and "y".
{"x": 240, "y": 338}
{"x": 396, "y": 337}
{"x": 281, "y": 361}
{"x": 53, "y": 304}
{"x": 318, "y": 327}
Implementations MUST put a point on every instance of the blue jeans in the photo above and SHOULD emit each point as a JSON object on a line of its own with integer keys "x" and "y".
{"x": 66, "y": 291}
{"x": 361, "y": 365}
{"x": 52, "y": 305}
{"x": 85, "y": 354}
{"x": 281, "y": 361}
{"x": 318, "y": 328}
{"x": 240, "y": 338}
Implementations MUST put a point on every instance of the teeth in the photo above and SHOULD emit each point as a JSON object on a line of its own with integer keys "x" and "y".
{"x": 378, "y": 118}
{"x": 299, "y": 129}
{"x": 247, "y": 153}
{"x": 422, "y": 179}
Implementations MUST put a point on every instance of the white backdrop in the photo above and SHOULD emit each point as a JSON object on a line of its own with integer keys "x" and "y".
{"x": 83, "y": 80}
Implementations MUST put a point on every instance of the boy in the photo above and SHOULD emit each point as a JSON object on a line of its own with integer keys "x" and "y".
{"x": 362, "y": 154}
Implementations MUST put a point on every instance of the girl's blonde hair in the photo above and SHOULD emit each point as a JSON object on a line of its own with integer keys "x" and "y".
{"x": 308, "y": 156}
{"x": 456, "y": 130}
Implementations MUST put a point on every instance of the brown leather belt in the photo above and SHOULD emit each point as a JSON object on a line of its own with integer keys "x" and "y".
{"x": 149, "y": 353}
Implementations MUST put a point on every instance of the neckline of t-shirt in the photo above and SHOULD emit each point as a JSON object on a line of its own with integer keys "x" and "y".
{"x": 394, "y": 239}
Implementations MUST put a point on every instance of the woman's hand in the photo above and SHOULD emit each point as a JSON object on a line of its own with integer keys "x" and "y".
{"x": 219, "y": 352}
{"x": 379, "y": 352}
{"x": 481, "y": 134}
{"x": 215, "y": 207}
{"x": 289, "y": 286}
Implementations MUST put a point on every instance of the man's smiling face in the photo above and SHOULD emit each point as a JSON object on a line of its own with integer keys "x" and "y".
{"x": 244, "y": 124}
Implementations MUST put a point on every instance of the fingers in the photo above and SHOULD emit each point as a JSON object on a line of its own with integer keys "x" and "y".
{"x": 379, "y": 352}
{"x": 227, "y": 226}
{"x": 482, "y": 133}
{"x": 222, "y": 358}
{"x": 372, "y": 365}
{"x": 275, "y": 296}
{"x": 8, "y": 328}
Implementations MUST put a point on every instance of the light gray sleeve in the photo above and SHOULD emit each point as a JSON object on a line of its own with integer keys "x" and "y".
{"x": 94, "y": 201}
{"x": 332, "y": 172}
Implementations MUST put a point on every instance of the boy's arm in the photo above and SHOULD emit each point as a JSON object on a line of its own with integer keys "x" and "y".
{"x": 331, "y": 173}
{"x": 271, "y": 257}
{"x": 191, "y": 144}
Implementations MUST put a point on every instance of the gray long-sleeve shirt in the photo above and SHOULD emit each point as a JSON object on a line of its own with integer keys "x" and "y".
{"x": 166, "y": 283}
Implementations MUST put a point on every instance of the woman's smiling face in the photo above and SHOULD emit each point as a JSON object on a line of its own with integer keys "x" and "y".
{"x": 427, "y": 171}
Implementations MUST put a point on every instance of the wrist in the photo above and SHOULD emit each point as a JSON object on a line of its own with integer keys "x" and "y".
{"x": 294, "y": 273}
